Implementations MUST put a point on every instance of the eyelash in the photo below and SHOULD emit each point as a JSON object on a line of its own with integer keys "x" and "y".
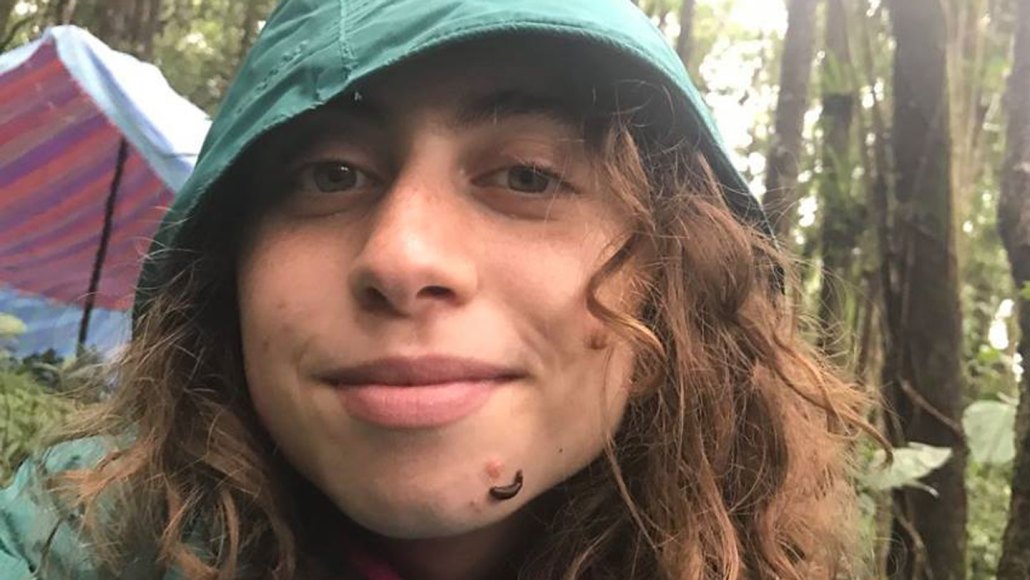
{"x": 301, "y": 172}
{"x": 546, "y": 169}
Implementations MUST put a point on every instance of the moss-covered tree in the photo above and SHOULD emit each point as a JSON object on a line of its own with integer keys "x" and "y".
{"x": 923, "y": 369}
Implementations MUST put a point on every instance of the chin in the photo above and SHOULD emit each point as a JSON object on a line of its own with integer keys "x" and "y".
{"x": 417, "y": 520}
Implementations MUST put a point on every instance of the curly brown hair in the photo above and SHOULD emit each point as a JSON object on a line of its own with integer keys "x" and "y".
{"x": 732, "y": 462}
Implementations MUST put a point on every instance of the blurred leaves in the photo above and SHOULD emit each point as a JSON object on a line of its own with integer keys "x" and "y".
{"x": 908, "y": 466}
{"x": 991, "y": 431}
{"x": 27, "y": 408}
{"x": 10, "y": 326}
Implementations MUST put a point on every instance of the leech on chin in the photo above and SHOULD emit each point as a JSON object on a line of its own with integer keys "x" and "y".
{"x": 504, "y": 492}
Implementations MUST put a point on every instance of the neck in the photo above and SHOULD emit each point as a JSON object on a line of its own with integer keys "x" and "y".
{"x": 491, "y": 553}
{"x": 479, "y": 555}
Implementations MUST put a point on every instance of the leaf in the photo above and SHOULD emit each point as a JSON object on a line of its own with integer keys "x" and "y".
{"x": 10, "y": 326}
{"x": 1024, "y": 292}
{"x": 988, "y": 355}
{"x": 991, "y": 431}
{"x": 910, "y": 464}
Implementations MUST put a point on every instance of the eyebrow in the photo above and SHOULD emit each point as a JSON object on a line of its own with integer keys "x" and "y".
{"x": 505, "y": 104}
{"x": 471, "y": 111}
{"x": 354, "y": 103}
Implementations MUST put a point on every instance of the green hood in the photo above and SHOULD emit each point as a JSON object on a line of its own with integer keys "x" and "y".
{"x": 311, "y": 51}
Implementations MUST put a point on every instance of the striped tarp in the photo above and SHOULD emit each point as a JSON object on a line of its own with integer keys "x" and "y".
{"x": 66, "y": 105}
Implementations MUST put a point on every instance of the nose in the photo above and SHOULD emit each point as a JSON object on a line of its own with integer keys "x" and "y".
{"x": 415, "y": 257}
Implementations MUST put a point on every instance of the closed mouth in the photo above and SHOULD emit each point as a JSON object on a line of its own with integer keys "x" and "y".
{"x": 419, "y": 371}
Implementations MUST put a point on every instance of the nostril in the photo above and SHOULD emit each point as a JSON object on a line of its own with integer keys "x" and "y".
{"x": 374, "y": 297}
{"x": 435, "y": 292}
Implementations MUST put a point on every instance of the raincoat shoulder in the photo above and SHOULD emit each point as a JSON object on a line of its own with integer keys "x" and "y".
{"x": 30, "y": 519}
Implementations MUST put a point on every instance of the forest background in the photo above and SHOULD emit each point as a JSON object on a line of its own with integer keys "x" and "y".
{"x": 890, "y": 142}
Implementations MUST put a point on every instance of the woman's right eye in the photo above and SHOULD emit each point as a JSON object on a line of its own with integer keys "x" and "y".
{"x": 332, "y": 177}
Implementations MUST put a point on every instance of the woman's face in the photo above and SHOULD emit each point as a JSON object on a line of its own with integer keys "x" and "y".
{"x": 414, "y": 301}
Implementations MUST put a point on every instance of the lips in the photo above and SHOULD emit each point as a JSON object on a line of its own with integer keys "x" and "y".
{"x": 421, "y": 371}
{"x": 417, "y": 393}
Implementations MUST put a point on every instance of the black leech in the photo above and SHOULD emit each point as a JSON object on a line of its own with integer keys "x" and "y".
{"x": 504, "y": 492}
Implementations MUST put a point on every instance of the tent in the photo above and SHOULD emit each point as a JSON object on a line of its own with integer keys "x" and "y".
{"x": 93, "y": 146}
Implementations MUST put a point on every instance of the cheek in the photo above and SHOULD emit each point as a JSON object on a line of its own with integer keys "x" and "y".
{"x": 281, "y": 279}
{"x": 585, "y": 369}
{"x": 548, "y": 300}
{"x": 278, "y": 280}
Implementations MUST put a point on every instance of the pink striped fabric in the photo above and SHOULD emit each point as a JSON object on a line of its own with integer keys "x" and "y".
{"x": 57, "y": 160}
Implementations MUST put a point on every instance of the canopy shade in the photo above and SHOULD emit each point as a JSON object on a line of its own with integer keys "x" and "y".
{"x": 93, "y": 145}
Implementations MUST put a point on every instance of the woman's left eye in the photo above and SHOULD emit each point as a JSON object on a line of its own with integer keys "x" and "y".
{"x": 527, "y": 179}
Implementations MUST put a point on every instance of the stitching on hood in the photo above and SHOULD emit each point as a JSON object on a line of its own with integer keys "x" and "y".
{"x": 342, "y": 36}
{"x": 285, "y": 62}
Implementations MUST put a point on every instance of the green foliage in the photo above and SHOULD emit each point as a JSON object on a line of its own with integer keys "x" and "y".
{"x": 991, "y": 431}
{"x": 836, "y": 77}
{"x": 198, "y": 43}
{"x": 200, "y": 54}
{"x": 909, "y": 465}
{"x": 990, "y": 434}
{"x": 27, "y": 410}
{"x": 45, "y": 368}
{"x": 989, "y": 490}
{"x": 10, "y": 327}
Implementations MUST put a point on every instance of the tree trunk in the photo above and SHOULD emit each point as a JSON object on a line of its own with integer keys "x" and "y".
{"x": 969, "y": 55}
{"x": 56, "y": 11}
{"x": 842, "y": 217}
{"x": 135, "y": 29}
{"x": 6, "y": 11}
{"x": 877, "y": 162}
{"x": 784, "y": 157}
{"x": 685, "y": 40}
{"x": 110, "y": 22}
{"x": 924, "y": 381}
{"x": 68, "y": 16}
{"x": 1014, "y": 227}
{"x": 251, "y": 15}
{"x": 151, "y": 29}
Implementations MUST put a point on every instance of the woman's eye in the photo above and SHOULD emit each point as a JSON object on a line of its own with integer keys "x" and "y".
{"x": 527, "y": 179}
{"x": 333, "y": 177}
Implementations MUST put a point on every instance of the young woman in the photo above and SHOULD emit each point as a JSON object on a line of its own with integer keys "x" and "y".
{"x": 460, "y": 289}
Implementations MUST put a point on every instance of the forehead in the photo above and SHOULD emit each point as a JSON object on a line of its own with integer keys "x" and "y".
{"x": 490, "y": 79}
{"x": 454, "y": 74}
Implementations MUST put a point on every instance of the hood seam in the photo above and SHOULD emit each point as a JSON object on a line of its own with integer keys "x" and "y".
{"x": 342, "y": 36}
